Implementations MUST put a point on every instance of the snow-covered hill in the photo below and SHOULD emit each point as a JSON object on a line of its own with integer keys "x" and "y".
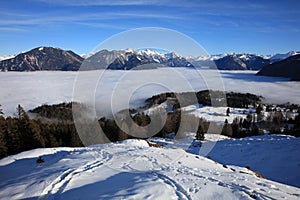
{"x": 274, "y": 156}
{"x": 130, "y": 170}
{"x": 43, "y": 58}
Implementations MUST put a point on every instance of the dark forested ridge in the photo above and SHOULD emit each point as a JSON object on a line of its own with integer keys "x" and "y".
{"x": 289, "y": 68}
{"x": 62, "y": 111}
{"x": 21, "y": 133}
{"x": 206, "y": 97}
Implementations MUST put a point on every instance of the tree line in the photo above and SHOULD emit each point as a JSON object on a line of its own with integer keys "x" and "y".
{"x": 53, "y": 126}
{"x": 206, "y": 97}
{"x": 20, "y": 133}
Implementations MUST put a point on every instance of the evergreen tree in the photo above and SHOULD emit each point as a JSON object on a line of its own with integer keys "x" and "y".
{"x": 3, "y": 148}
{"x": 247, "y": 122}
{"x": 236, "y": 127}
{"x": 259, "y": 109}
{"x": 227, "y": 130}
{"x": 28, "y": 131}
{"x": 255, "y": 130}
{"x": 227, "y": 111}
{"x": 11, "y": 135}
{"x": 200, "y": 131}
{"x": 297, "y": 122}
{"x": 1, "y": 111}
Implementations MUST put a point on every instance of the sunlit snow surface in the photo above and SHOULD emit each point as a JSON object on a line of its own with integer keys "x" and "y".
{"x": 32, "y": 89}
{"x": 131, "y": 170}
{"x": 274, "y": 156}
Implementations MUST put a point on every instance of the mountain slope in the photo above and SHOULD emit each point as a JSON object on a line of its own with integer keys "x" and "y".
{"x": 43, "y": 58}
{"x": 253, "y": 62}
{"x": 273, "y": 156}
{"x": 48, "y": 58}
{"x": 281, "y": 56}
{"x": 5, "y": 57}
{"x": 289, "y": 68}
{"x": 231, "y": 61}
{"x": 133, "y": 59}
{"x": 130, "y": 170}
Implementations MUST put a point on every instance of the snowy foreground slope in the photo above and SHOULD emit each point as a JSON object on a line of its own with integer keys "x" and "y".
{"x": 276, "y": 157}
{"x": 130, "y": 170}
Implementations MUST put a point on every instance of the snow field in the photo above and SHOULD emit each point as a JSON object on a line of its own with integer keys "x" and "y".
{"x": 130, "y": 170}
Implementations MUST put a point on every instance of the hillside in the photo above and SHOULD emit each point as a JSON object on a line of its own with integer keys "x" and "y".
{"x": 133, "y": 59}
{"x": 130, "y": 170}
{"x": 289, "y": 68}
{"x": 43, "y": 58}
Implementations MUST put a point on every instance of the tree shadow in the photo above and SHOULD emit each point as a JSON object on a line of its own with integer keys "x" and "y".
{"x": 118, "y": 186}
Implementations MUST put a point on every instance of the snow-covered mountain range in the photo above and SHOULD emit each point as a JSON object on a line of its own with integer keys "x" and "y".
{"x": 282, "y": 56}
{"x": 133, "y": 59}
{"x": 48, "y": 58}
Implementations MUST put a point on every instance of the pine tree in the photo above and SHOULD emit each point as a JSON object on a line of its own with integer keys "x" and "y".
{"x": 3, "y": 147}
{"x": 236, "y": 127}
{"x": 259, "y": 109}
{"x": 11, "y": 135}
{"x": 227, "y": 130}
{"x": 1, "y": 111}
{"x": 28, "y": 131}
{"x": 227, "y": 111}
{"x": 53, "y": 141}
{"x": 297, "y": 122}
{"x": 200, "y": 131}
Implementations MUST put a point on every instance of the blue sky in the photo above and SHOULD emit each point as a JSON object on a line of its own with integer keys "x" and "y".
{"x": 254, "y": 26}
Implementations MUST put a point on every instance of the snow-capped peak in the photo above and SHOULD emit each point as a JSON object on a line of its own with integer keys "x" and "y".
{"x": 280, "y": 56}
{"x": 6, "y": 57}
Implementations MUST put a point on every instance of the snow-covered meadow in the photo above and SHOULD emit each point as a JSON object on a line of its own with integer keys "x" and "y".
{"x": 274, "y": 156}
{"x": 126, "y": 89}
{"x": 131, "y": 170}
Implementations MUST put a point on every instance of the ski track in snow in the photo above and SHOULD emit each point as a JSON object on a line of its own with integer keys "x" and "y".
{"x": 128, "y": 169}
{"x": 179, "y": 190}
{"x": 59, "y": 184}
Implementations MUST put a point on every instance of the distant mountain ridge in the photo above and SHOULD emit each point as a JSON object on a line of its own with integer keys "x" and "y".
{"x": 289, "y": 68}
{"x": 49, "y": 58}
{"x": 43, "y": 58}
{"x": 134, "y": 59}
{"x": 232, "y": 61}
{"x": 281, "y": 56}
